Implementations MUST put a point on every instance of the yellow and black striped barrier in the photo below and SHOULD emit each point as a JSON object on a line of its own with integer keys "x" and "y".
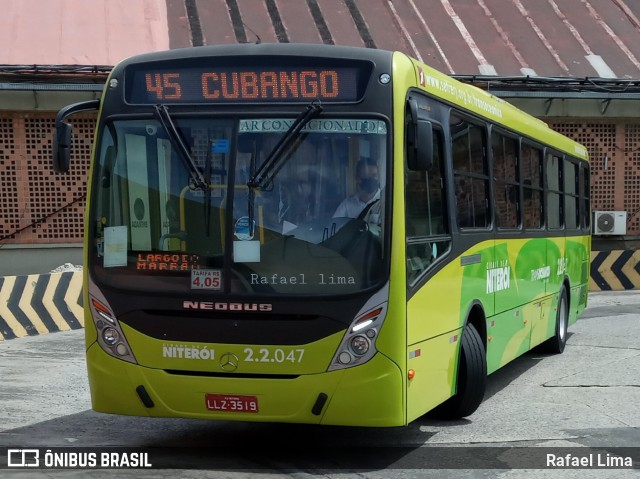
{"x": 615, "y": 270}
{"x": 40, "y": 303}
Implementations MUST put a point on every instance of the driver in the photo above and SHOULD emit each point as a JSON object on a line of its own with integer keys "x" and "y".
{"x": 367, "y": 190}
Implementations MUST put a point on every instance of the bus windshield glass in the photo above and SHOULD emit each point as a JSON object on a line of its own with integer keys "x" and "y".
{"x": 315, "y": 224}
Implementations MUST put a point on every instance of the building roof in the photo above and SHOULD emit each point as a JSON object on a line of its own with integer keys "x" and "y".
{"x": 541, "y": 38}
{"x": 80, "y": 32}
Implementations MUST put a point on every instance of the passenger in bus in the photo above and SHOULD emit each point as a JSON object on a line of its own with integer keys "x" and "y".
{"x": 367, "y": 193}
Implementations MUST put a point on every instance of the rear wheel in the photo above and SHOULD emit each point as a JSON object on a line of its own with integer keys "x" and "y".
{"x": 472, "y": 377}
{"x": 556, "y": 343}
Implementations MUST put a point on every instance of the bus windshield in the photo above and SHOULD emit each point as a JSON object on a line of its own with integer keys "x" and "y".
{"x": 191, "y": 220}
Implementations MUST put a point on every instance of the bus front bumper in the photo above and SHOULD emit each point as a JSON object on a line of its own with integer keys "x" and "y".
{"x": 371, "y": 394}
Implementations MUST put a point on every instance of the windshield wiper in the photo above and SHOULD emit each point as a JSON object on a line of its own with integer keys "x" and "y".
{"x": 178, "y": 144}
{"x": 264, "y": 175}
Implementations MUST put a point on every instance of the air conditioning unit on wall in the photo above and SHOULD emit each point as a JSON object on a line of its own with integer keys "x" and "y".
{"x": 610, "y": 223}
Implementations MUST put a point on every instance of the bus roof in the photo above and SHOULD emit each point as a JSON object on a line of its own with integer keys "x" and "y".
{"x": 275, "y": 49}
{"x": 497, "y": 110}
{"x": 430, "y": 80}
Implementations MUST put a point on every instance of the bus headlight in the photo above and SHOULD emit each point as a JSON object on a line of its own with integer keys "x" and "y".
{"x": 359, "y": 342}
{"x": 110, "y": 335}
{"x": 360, "y": 345}
{"x": 344, "y": 357}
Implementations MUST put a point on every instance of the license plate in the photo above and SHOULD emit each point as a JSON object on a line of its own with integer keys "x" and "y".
{"x": 231, "y": 403}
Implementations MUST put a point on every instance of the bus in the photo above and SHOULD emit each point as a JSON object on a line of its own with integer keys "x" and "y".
{"x": 319, "y": 234}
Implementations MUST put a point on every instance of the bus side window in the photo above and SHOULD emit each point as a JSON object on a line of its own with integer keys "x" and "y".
{"x": 470, "y": 173}
{"x": 571, "y": 192}
{"x": 532, "y": 186}
{"x": 554, "y": 183}
{"x": 505, "y": 180}
{"x": 585, "y": 208}
{"x": 425, "y": 215}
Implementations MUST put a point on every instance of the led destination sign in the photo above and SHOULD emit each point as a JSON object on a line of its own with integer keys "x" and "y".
{"x": 242, "y": 84}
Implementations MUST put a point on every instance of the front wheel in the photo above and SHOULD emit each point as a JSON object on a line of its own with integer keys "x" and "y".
{"x": 556, "y": 343}
{"x": 472, "y": 377}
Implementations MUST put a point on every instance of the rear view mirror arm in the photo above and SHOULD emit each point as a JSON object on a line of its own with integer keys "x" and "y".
{"x": 64, "y": 133}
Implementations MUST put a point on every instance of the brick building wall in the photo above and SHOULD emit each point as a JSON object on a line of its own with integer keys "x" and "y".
{"x": 614, "y": 150}
{"x": 39, "y": 206}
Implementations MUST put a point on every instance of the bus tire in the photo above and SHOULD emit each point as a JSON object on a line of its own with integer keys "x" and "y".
{"x": 556, "y": 344}
{"x": 472, "y": 377}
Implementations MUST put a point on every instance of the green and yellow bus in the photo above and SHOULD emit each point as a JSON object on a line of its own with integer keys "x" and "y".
{"x": 319, "y": 234}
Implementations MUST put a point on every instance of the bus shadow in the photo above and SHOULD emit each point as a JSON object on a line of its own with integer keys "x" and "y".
{"x": 504, "y": 376}
{"x": 496, "y": 382}
{"x": 189, "y": 444}
{"x": 259, "y": 447}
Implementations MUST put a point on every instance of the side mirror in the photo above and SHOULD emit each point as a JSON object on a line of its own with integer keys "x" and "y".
{"x": 64, "y": 134}
{"x": 419, "y": 139}
{"x": 62, "y": 147}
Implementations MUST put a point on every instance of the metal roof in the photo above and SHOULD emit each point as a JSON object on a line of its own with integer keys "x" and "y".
{"x": 539, "y": 38}
{"x": 80, "y": 32}
{"x": 572, "y": 38}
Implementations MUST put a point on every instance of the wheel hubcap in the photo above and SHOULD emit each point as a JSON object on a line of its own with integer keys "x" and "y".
{"x": 563, "y": 319}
